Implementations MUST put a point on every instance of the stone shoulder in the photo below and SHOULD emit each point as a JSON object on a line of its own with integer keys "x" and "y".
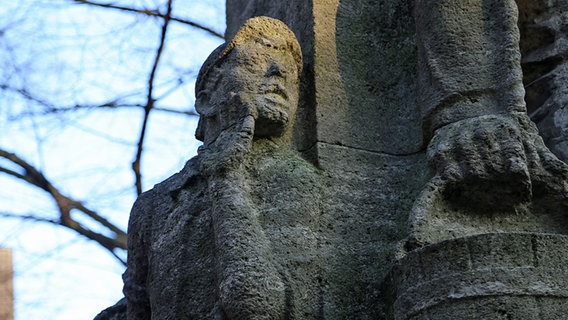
{"x": 162, "y": 196}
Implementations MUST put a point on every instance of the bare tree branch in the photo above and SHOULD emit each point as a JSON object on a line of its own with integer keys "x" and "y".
{"x": 65, "y": 205}
{"x": 50, "y": 108}
{"x": 108, "y": 106}
{"x": 26, "y": 94}
{"x": 152, "y": 13}
{"x": 31, "y": 217}
{"x": 150, "y": 102}
{"x": 83, "y": 231}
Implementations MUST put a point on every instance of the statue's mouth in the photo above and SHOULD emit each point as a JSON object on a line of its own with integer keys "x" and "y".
{"x": 275, "y": 90}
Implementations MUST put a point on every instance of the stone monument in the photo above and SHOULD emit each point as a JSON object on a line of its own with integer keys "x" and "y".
{"x": 384, "y": 165}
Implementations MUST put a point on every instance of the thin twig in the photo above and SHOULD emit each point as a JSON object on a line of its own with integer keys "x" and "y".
{"x": 136, "y": 164}
{"x": 50, "y": 108}
{"x": 26, "y": 94}
{"x": 153, "y": 13}
{"x": 27, "y": 217}
{"x": 106, "y": 106}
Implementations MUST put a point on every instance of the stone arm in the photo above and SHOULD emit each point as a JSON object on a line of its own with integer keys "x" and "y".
{"x": 249, "y": 284}
{"x": 135, "y": 276}
{"x": 485, "y": 151}
{"x": 481, "y": 140}
{"x": 468, "y": 61}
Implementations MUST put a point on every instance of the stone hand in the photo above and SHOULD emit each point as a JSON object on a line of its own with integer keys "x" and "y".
{"x": 549, "y": 175}
{"x": 481, "y": 162}
{"x": 234, "y": 140}
{"x": 488, "y": 165}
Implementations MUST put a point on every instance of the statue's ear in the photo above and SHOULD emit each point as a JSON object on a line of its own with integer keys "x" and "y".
{"x": 203, "y": 105}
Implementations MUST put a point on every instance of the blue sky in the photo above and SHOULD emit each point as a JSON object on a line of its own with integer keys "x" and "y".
{"x": 70, "y": 54}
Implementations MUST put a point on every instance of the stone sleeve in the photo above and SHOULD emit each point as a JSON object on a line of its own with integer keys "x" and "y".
{"x": 135, "y": 276}
{"x": 468, "y": 60}
{"x": 249, "y": 282}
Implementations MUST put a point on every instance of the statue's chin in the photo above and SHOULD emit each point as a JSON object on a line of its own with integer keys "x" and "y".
{"x": 270, "y": 127}
{"x": 272, "y": 120}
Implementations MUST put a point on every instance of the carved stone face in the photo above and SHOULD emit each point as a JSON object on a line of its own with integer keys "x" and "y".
{"x": 264, "y": 77}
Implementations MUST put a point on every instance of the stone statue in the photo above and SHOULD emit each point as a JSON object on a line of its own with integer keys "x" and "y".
{"x": 476, "y": 199}
{"x": 234, "y": 234}
{"x": 493, "y": 171}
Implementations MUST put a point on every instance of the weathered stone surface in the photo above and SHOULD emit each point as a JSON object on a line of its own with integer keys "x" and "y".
{"x": 494, "y": 175}
{"x": 490, "y": 276}
{"x": 376, "y": 56}
{"x": 363, "y": 58}
{"x": 469, "y": 60}
{"x": 362, "y": 225}
{"x": 494, "y": 178}
{"x": 298, "y": 17}
{"x": 234, "y": 235}
{"x": 368, "y": 137}
{"x": 493, "y": 171}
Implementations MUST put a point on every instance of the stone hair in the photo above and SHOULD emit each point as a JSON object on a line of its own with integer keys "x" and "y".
{"x": 254, "y": 30}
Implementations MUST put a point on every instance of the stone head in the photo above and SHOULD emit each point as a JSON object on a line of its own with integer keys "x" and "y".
{"x": 258, "y": 71}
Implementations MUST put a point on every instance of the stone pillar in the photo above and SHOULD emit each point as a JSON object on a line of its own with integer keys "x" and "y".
{"x": 6, "y": 285}
{"x": 360, "y": 69}
{"x": 359, "y": 122}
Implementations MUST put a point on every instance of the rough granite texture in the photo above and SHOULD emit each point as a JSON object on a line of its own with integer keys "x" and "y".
{"x": 367, "y": 136}
{"x": 411, "y": 182}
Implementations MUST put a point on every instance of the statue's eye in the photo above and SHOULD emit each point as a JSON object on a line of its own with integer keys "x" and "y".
{"x": 265, "y": 42}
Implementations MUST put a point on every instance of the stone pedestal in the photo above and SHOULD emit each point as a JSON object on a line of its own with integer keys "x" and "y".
{"x": 489, "y": 276}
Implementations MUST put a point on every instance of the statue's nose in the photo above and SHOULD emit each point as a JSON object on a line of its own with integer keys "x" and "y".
{"x": 276, "y": 69}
